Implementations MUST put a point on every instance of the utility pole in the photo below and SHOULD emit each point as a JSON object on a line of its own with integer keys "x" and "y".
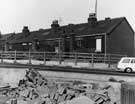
{"x": 96, "y": 8}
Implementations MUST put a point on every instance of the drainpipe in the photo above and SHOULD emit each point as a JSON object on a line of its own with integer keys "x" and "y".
{"x": 105, "y": 44}
{"x": 59, "y": 49}
{"x": 134, "y": 44}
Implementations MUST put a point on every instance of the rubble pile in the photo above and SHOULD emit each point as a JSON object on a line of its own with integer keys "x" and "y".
{"x": 35, "y": 89}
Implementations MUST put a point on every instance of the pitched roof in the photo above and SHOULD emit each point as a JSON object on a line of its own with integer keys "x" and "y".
{"x": 102, "y": 26}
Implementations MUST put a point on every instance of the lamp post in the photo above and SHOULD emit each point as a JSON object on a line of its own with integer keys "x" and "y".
{"x": 29, "y": 44}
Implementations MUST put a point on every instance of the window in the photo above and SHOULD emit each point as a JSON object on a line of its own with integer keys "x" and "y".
{"x": 98, "y": 45}
{"x": 79, "y": 42}
{"x": 133, "y": 61}
{"x": 10, "y": 46}
{"x": 126, "y": 61}
{"x": 24, "y": 44}
{"x": 46, "y": 33}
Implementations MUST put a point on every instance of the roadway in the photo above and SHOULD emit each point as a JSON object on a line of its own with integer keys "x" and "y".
{"x": 68, "y": 69}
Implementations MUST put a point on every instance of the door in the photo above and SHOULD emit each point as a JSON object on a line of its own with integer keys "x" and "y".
{"x": 132, "y": 64}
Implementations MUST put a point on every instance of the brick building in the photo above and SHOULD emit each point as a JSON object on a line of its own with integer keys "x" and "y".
{"x": 103, "y": 36}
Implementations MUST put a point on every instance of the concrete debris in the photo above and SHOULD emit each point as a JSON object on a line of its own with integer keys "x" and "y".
{"x": 79, "y": 100}
{"x": 36, "y": 89}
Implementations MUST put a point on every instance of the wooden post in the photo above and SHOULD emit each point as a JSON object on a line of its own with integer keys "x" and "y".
{"x": 104, "y": 58}
{"x": 2, "y": 57}
{"x": 76, "y": 57}
{"x": 44, "y": 58}
{"x": 60, "y": 56}
{"x": 109, "y": 60}
{"x": 15, "y": 57}
{"x": 29, "y": 57}
{"x": 92, "y": 59}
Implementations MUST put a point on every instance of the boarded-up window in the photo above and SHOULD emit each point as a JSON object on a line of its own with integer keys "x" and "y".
{"x": 98, "y": 45}
{"x": 56, "y": 49}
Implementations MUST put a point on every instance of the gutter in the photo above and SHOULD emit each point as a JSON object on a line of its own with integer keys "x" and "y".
{"x": 80, "y": 36}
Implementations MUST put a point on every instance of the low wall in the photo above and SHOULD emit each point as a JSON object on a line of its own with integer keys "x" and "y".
{"x": 11, "y": 76}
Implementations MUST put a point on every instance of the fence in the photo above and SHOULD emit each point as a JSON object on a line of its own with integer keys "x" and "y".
{"x": 60, "y": 57}
{"x": 128, "y": 93}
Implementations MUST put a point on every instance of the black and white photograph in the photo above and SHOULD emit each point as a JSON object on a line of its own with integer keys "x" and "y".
{"x": 67, "y": 52}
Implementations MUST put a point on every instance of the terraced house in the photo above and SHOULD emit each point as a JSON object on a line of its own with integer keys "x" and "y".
{"x": 96, "y": 36}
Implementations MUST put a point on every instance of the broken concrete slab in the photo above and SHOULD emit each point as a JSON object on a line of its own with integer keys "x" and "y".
{"x": 79, "y": 100}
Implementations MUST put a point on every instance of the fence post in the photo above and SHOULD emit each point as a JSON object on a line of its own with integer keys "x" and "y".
{"x": 92, "y": 59}
{"x": 29, "y": 57}
{"x": 60, "y": 56}
{"x": 104, "y": 58}
{"x": 15, "y": 57}
{"x": 44, "y": 58}
{"x": 109, "y": 60}
{"x": 2, "y": 57}
{"x": 76, "y": 57}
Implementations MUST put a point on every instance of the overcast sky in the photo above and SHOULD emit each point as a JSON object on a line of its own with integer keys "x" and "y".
{"x": 39, "y": 13}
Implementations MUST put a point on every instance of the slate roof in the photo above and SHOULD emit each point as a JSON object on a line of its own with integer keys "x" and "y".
{"x": 102, "y": 26}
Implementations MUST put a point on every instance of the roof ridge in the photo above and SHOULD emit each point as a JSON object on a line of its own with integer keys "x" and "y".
{"x": 81, "y": 29}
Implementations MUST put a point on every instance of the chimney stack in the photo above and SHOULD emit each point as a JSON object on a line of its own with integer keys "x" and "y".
{"x": 107, "y": 19}
{"x": 25, "y": 31}
{"x": 92, "y": 20}
{"x": 70, "y": 28}
{"x": 55, "y": 24}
